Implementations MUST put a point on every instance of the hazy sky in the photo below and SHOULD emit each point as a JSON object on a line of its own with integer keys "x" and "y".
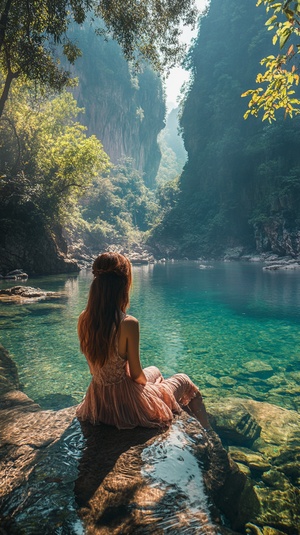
{"x": 178, "y": 75}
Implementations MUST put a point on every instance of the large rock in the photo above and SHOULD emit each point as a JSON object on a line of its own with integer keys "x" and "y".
{"x": 63, "y": 477}
{"x": 26, "y": 240}
{"x": 60, "y": 476}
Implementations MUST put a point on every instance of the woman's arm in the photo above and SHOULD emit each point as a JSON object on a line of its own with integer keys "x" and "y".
{"x": 132, "y": 333}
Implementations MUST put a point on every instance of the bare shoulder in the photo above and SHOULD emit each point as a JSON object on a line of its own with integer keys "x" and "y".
{"x": 130, "y": 319}
{"x": 130, "y": 324}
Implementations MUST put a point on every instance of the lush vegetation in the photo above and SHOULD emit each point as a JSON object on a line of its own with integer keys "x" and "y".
{"x": 117, "y": 209}
{"x": 54, "y": 172}
{"x": 30, "y": 31}
{"x": 47, "y": 159}
{"x": 240, "y": 186}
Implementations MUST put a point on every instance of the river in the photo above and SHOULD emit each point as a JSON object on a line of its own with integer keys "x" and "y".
{"x": 233, "y": 327}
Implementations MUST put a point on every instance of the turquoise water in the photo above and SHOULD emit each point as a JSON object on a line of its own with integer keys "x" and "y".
{"x": 209, "y": 323}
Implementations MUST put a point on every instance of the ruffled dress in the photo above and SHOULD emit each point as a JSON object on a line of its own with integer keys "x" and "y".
{"x": 113, "y": 397}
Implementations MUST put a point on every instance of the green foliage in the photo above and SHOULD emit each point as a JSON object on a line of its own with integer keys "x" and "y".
{"x": 149, "y": 28}
{"x": 30, "y": 31}
{"x": 53, "y": 161}
{"x": 280, "y": 76}
{"x": 119, "y": 206}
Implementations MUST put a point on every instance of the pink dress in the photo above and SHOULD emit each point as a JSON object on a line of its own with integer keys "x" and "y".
{"x": 113, "y": 398}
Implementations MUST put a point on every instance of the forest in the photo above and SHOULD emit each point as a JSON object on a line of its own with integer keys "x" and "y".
{"x": 91, "y": 161}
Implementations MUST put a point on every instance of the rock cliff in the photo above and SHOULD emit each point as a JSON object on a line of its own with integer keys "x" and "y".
{"x": 241, "y": 183}
{"x": 27, "y": 243}
{"x": 124, "y": 109}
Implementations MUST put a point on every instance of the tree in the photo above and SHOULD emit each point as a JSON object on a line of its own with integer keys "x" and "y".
{"x": 55, "y": 162}
{"x": 281, "y": 71}
{"x": 30, "y": 31}
{"x": 121, "y": 199}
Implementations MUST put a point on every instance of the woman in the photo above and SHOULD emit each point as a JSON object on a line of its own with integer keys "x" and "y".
{"x": 121, "y": 393}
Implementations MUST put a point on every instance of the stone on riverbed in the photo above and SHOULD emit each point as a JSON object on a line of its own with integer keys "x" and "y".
{"x": 232, "y": 421}
{"x": 26, "y": 293}
{"x": 258, "y": 367}
{"x": 273, "y": 460}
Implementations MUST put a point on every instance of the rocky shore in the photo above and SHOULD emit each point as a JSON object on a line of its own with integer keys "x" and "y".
{"x": 62, "y": 477}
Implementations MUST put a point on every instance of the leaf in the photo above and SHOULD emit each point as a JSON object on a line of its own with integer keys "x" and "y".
{"x": 283, "y": 38}
{"x": 270, "y": 20}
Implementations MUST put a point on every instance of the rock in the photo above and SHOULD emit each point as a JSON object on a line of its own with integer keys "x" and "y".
{"x": 234, "y": 253}
{"x": 278, "y": 509}
{"x": 139, "y": 261}
{"x": 276, "y": 380}
{"x": 26, "y": 293}
{"x": 259, "y": 368}
{"x": 267, "y": 530}
{"x": 244, "y": 469}
{"x": 274, "y": 478}
{"x": 287, "y": 266}
{"x": 27, "y": 241}
{"x": 8, "y": 373}
{"x": 280, "y": 428}
{"x": 255, "y": 259}
{"x": 227, "y": 381}
{"x": 62, "y": 474}
{"x": 233, "y": 421}
{"x": 253, "y": 529}
{"x": 210, "y": 379}
{"x": 16, "y": 274}
{"x": 274, "y": 459}
{"x": 255, "y": 461}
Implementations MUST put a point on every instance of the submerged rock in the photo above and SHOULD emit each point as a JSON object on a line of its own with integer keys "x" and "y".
{"x": 26, "y": 293}
{"x": 259, "y": 368}
{"x": 62, "y": 477}
{"x": 233, "y": 421}
{"x": 273, "y": 460}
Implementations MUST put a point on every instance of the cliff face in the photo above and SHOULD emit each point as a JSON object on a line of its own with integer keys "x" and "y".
{"x": 241, "y": 184}
{"x": 123, "y": 109}
{"x": 27, "y": 243}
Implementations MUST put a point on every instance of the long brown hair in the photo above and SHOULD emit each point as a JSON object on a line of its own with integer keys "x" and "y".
{"x": 108, "y": 298}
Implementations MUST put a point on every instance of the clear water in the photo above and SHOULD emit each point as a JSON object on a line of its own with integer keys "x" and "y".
{"x": 206, "y": 322}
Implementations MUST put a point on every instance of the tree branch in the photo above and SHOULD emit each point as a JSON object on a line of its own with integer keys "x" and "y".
{"x": 3, "y": 22}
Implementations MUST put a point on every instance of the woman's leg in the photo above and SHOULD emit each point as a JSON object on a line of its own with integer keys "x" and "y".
{"x": 153, "y": 374}
{"x": 183, "y": 390}
{"x": 198, "y": 409}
